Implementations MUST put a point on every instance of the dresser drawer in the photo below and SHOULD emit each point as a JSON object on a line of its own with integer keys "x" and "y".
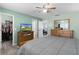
{"x": 24, "y": 37}
{"x": 62, "y": 33}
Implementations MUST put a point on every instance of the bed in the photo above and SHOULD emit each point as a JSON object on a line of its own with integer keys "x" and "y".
{"x": 49, "y": 46}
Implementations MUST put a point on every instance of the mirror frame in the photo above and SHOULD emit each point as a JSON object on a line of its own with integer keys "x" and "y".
{"x": 63, "y": 20}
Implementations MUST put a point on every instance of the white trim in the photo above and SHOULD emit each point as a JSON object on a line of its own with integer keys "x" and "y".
{"x": 0, "y": 32}
{"x": 34, "y": 27}
{"x": 13, "y": 43}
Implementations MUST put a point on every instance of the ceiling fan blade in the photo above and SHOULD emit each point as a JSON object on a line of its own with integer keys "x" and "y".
{"x": 39, "y": 7}
{"x": 52, "y": 8}
{"x": 44, "y": 6}
{"x": 56, "y": 15}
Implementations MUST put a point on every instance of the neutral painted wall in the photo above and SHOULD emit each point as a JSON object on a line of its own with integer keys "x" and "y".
{"x": 18, "y": 19}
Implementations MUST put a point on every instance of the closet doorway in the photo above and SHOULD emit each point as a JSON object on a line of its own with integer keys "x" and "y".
{"x": 7, "y": 29}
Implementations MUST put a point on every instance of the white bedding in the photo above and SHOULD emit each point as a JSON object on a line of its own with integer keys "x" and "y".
{"x": 49, "y": 46}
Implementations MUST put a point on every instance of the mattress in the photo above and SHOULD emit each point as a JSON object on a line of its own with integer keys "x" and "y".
{"x": 49, "y": 46}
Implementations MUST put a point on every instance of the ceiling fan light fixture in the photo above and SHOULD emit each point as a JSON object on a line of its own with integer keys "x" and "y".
{"x": 44, "y": 10}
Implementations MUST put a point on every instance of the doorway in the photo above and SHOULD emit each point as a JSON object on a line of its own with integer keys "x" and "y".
{"x": 7, "y": 31}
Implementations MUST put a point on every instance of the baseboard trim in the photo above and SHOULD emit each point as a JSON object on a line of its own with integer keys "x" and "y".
{"x": 14, "y": 44}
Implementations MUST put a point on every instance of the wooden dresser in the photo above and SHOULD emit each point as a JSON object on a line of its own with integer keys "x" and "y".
{"x": 23, "y": 37}
{"x": 62, "y": 33}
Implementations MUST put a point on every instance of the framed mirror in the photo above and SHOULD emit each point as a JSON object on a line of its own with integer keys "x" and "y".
{"x": 62, "y": 24}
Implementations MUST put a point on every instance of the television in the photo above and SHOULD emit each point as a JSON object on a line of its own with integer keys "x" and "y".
{"x": 26, "y": 27}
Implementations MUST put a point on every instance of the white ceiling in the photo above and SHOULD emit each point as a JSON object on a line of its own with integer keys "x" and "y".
{"x": 29, "y": 8}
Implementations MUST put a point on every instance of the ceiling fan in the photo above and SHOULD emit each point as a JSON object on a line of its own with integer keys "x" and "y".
{"x": 48, "y": 7}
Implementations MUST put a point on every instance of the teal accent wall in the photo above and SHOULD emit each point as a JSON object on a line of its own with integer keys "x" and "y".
{"x": 74, "y": 21}
{"x": 18, "y": 19}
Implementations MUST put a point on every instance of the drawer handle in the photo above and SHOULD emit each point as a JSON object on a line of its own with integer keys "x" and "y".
{"x": 26, "y": 34}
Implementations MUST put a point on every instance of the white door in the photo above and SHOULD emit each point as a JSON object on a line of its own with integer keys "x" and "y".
{"x": 40, "y": 29}
{"x": 0, "y": 32}
{"x": 34, "y": 27}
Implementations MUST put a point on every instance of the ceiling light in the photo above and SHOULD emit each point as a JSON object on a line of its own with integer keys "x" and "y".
{"x": 45, "y": 10}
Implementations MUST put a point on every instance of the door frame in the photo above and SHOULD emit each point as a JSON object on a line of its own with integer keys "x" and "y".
{"x": 13, "y": 42}
{"x": 0, "y": 32}
{"x": 35, "y": 27}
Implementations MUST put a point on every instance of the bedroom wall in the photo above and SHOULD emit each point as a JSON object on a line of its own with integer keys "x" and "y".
{"x": 74, "y": 22}
{"x": 18, "y": 18}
